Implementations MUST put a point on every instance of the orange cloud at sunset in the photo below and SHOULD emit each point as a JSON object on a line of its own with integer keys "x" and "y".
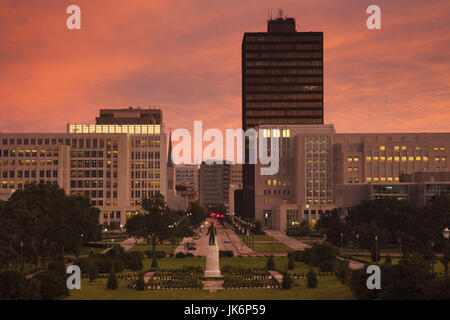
{"x": 185, "y": 57}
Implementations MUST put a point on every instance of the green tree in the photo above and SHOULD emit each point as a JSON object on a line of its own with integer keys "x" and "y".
{"x": 112, "y": 280}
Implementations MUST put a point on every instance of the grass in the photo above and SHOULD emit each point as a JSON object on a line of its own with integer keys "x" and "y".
{"x": 166, "y": 247}
{"x": 329, "y": 288}
{"x": 263, "y": 244}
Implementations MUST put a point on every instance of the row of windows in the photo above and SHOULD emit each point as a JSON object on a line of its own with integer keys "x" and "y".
{"x": 86, "y": 183}
{"x": 277, "y": 192}
{"x": 404, "y": 159}
{"x": 31, "y": 173}
{"x": 145, "y": 184}
{"x": 28, "y": 162}
{"x": 28, "y": 153}
{"x": 145, "y": 155}
{"x": 402, "y": 148}
{"x": 91, "y": 174}
{"x": 88, "y": 143}
{"x": 87, "y": 163}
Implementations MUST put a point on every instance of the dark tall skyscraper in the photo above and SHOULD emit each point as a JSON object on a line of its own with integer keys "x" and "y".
{"x": 282, "y": 76}
{"x": 282, "y": 82}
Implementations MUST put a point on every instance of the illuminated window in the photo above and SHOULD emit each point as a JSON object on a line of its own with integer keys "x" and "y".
{"x": 375, "y": 179}
{"x": 418, "y": 158}
{"x": 382, "y": 159}
{"x": 403, "y": 159}
{"x": 356, "y": 159}
{"x": 389, "y": 159}
{"x": 425, "y": 158}
{"x": 397, "y": 159}
{"x": 396, "y": 148}
{"x": 382, "y": 148}
{"x": 396, "y": 179}
{"x": 383, "y": 179}
{"x": 403, "y": 148}
{"x": 368, "y": 159}
{"x": 390, "y": 179}
{"x": 437, "y": 159}
{"x": 368, "y": 179}
{"x": 442, "y": 148}
{"x": 411, "y": 158}
{"x": 375, "y": 158}
{"x": 349, "y": 170}
{"x": 349, "y": 159}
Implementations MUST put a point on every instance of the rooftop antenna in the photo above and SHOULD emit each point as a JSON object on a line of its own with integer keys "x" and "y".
{"x": 280, "y": 13}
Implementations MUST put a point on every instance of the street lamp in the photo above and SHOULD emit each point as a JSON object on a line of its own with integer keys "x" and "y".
{"x": 445, "y": 257}
{"x": 106, "y": 229}
{"x": 357, "y": 238}
{"x": 376, "y": 248}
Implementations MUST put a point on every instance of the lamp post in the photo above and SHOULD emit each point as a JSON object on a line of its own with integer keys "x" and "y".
{"x": 357, "y": 238}
{"x": 376, "y": 249}
{"x": 106, "y": 229}
{"x": 342, "y": 243}
{"x": 445, "y": 257}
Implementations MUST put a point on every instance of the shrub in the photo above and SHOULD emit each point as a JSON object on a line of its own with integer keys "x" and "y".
{"x": 12, "y": 285}
{"x": 140, "y": 283}
{"x": 92, "y": 270}
{"x": 112, "y": 281}
{"x": 287, "y": 281}
{"x": 226, "y": 254}
{"x": 180, "y": 255}
{"x": 58, "y": 267}
{"x": 291, "y": 263}
{"x": 388, "y": 260}
{"x": 343, "y": 271}
{"x": 327, "y": 265}
{"x": 311, "y": 278}
{"x": 270, "y": 265}
{"x": 297, "y": 255}
{"x": 52, "y": 285}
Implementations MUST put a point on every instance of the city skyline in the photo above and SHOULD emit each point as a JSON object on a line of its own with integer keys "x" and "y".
{"x": 190, "y": 65}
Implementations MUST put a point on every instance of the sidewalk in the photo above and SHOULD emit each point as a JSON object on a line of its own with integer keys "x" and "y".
{"x": 290, "y": 242}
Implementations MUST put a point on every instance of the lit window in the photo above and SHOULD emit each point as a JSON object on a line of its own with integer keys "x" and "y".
{"x": 411, "y": 158}
{"x": 425, "y": 158}
{"x": 382, "y": 159}
{"x": 368, "y": 159}
{"x": 349, "y": 159}
{"x": 356, "y": 159}
{"x": 397, "y": 159}
{"x": 389, "y": 159}
{"x": 418, "y": 158}
{"x": 396, "y": 179}
{"x": 442, "y": 148}
{"x": 390, "y": 179}
{"x": 368, "y": 179}
{"x": 403, "y": 159}
{"x": 403, "y": 147}
{"x": 375, "y": 158}
{"x": 383, "y": 179}
{"x": 437, "y": 159}
{"x": 382, "y": 148}
{"x": 375, "y": 179}
{"x": 396, "y": 148}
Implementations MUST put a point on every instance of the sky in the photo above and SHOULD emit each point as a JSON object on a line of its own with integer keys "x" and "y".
{"x": 185, "y": 57}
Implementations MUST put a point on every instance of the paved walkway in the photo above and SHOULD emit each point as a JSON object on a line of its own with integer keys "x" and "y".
{"x": 213, "y": 286}
{"x": 290, "y": 242}
{"x": 236, "y": 244}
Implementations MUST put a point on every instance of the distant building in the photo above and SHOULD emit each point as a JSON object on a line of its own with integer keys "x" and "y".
{"x": 115, "y": 163}
{"x": 214, "y": 184}
{"x": 321, "y": 170}
{"x": 186, "y": 181}
{"x": 282, "y": 83}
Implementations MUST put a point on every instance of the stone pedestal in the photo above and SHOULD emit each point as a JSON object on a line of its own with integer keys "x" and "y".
{"x": 212, "y": 262}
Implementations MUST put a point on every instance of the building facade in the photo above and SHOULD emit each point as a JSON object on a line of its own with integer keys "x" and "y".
{"x": 321, "y": 170}
{"x": 114, "y": 165}
{"x": 282, "y": 82}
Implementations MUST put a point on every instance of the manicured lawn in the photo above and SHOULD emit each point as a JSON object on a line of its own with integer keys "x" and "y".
{"x": 329, "y": 288}
{"x": 263, "y": 244}
{"x": 166, "y": 247}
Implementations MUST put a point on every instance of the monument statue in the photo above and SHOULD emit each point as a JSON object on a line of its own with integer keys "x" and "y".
{"x": 212, "y": 234}
{"x": 212, "y": 257}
